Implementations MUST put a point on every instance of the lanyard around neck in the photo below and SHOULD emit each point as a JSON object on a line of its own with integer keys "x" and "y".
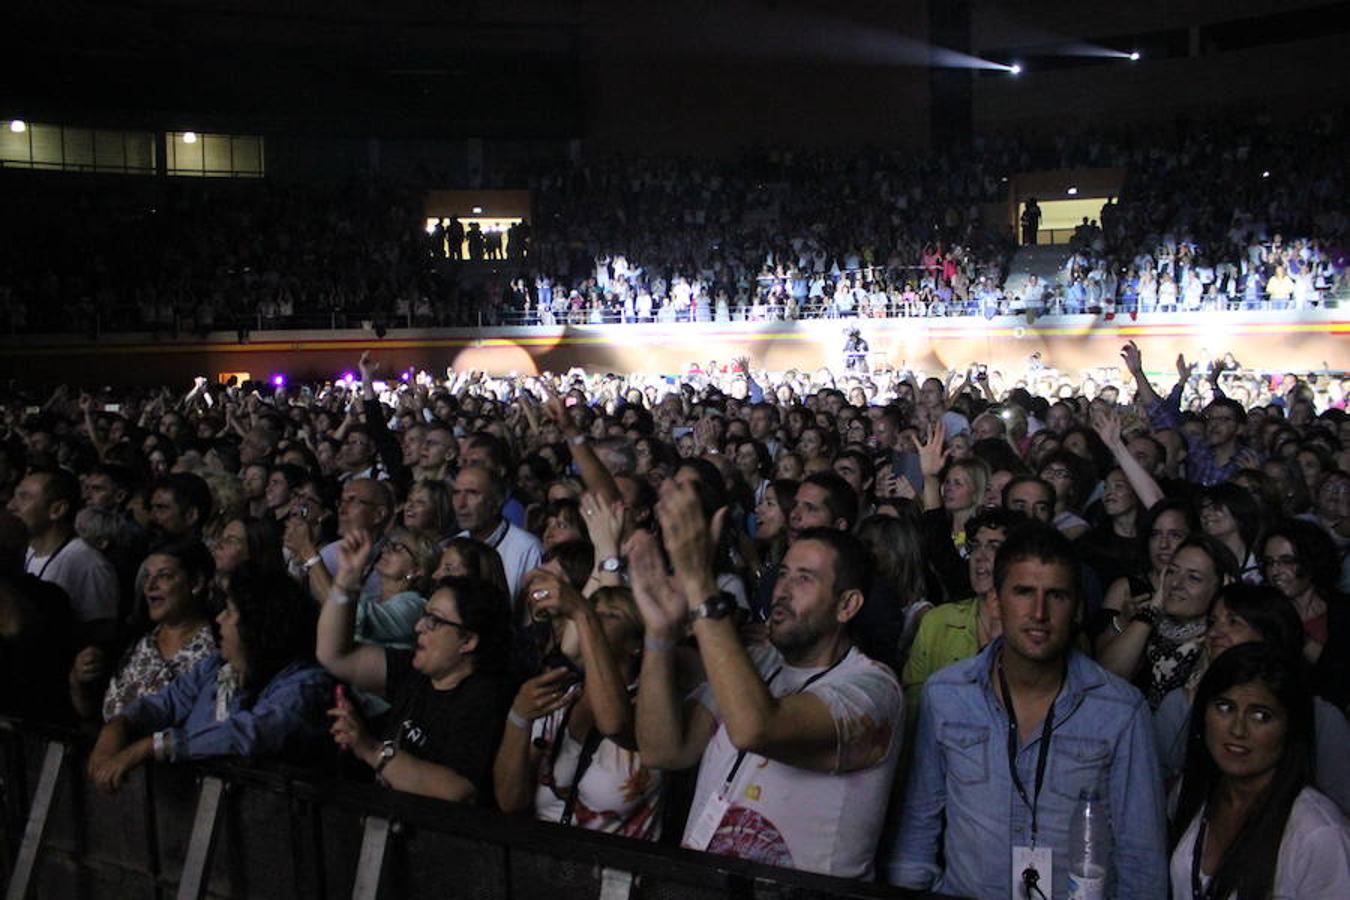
{"x": 740, "y": 757}
{"x": 1014, "y": 743}
{"x": 51, "y": 559}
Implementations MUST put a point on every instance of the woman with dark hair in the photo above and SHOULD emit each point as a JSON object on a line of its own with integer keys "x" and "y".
{"x": 465, "y": 557}
{"x": 1243, "y": 614}
{"x": 1163, "y": 641}
{"x": 568, "y": 750}
{"x": 255, "y": 543}
{"x": 562, "y": 522}
{"x": 1247, "y": 825}
{"x": 1232, "y": 516}
{"x": 449, "y": 695}
{"x": 174, "y": 620}
{"x": 283, "y": 480}
{"x": 1161, "y": 530}
{"x": 428, "y": 510}
{"x": 899, "y": 589}
{"x": 771, "y": 524}
{"x": 1299, "y": 560}
{"x": 1072, "y": 477}
{"x": 261, "y": 695}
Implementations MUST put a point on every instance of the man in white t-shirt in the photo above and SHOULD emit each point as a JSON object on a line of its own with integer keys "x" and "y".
{"x": 479, "y": 497}
{"x": 797, "y": 740}
{"x": 46, "y": 502}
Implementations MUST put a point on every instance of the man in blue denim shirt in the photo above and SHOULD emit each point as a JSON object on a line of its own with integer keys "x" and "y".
{"x": 967, "y": 805}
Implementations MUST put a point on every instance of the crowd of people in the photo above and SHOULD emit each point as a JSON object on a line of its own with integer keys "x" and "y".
{"x": 1225, "y": 214}
{"x": 887, "y": 627}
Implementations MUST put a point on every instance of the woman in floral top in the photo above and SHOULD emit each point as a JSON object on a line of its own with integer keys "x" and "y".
{"x": 177, "y": 591}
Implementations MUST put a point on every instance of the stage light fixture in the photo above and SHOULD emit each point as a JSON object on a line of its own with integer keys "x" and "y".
{"x": 279, "y": 381}
{"x": 477, "y": 210}
{"x": 1073, "y": 192}
{"x": 189, "y": 137}
{"x": 18, "y": 126}
{"x": 1134, "y": 56}
{"x": 1015, "y": 69}
{"x": 1265, "y": 174}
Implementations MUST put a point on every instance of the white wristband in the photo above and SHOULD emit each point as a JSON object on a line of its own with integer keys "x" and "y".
{"x": 339, "y": 596}
{"x": 518, "y": 720}
{"x": 311, "y": 562}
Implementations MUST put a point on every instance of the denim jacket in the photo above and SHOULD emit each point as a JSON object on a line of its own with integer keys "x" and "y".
{"x": 1102, "y": 738}
{"x": 287, "y": 716}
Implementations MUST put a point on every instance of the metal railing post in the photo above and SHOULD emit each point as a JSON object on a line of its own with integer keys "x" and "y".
{"x": 198, "y": 860}
{"x": 37, "y": 821}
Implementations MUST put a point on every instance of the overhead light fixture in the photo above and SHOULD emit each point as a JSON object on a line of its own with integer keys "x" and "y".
{"x": 189, "y": 137}
{"x": 1015, "y": 69}
{"x": 1134, "y": 56}
{"x": 18, "y": 126}
{"x": 1265, "y": 174}
{"x": 477, "y": 210}
{"x": 1073, "y": 192}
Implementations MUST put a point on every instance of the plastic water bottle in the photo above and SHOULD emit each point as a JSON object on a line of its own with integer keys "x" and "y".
{"x": 1089, "y": 848}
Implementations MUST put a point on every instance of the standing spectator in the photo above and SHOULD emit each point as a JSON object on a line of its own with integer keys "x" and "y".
{"x": 822, "y": 721}
{"x": 971, "y": 826}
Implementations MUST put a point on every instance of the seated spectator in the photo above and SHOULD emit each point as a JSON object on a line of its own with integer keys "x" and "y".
{"x": 569, "y": 749}
{"x": 1247, "y": 823}
{"x": 260, "y": 695}
{"x": 449, "y": 696}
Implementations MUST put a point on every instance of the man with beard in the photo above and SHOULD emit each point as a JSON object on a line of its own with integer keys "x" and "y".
{"x": 798, "y": 738}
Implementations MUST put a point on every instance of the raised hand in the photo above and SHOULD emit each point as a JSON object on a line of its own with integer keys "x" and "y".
{"x": 604, "y": 523}
{"x": 367, "y": 366}
{"x": 1133, "y": 359}
{"x": 660, "y": 600}
{"x": 932, "y": 455}
{"x": 352, "y": 554}
{"x": 1106, "y": 422}
{"x": 1184, "y": 369}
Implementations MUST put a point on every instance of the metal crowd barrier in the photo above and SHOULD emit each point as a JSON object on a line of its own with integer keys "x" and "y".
{"x": 225, "y": 830}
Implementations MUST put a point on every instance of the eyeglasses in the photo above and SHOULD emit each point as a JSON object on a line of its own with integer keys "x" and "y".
{"x": 429, "y": 621}
{"x": 1056, "y": 472}
{"x": 1286, "y": 562}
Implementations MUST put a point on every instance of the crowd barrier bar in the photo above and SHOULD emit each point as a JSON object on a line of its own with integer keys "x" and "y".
{"x": 263, "y": 831}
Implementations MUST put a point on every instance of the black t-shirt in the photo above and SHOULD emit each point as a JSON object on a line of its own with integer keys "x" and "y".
{"x": 459, "y": 728}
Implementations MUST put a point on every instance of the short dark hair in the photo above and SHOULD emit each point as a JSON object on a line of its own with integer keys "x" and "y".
{"x": 577, "y": 559}
{"x": 852, "y": 562}
{"x": 60, "y": 485}
{"x": 995, "y": 517}
{"x": 189, "y": 492}
{"x": 1230, "y": 404}
{"x": 840, "y": 498}
{"x": 1028, "y": 479}
{"x": 486, "y": 612}
{"x": 1318, "y": 558}
{"x": 1267, "y": 611}
{"x": 1039, "y": 541}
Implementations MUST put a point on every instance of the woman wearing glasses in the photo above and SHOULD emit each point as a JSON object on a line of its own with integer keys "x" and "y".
{"x": 1299, "y": 559}
{"x": 448, "y": 695}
